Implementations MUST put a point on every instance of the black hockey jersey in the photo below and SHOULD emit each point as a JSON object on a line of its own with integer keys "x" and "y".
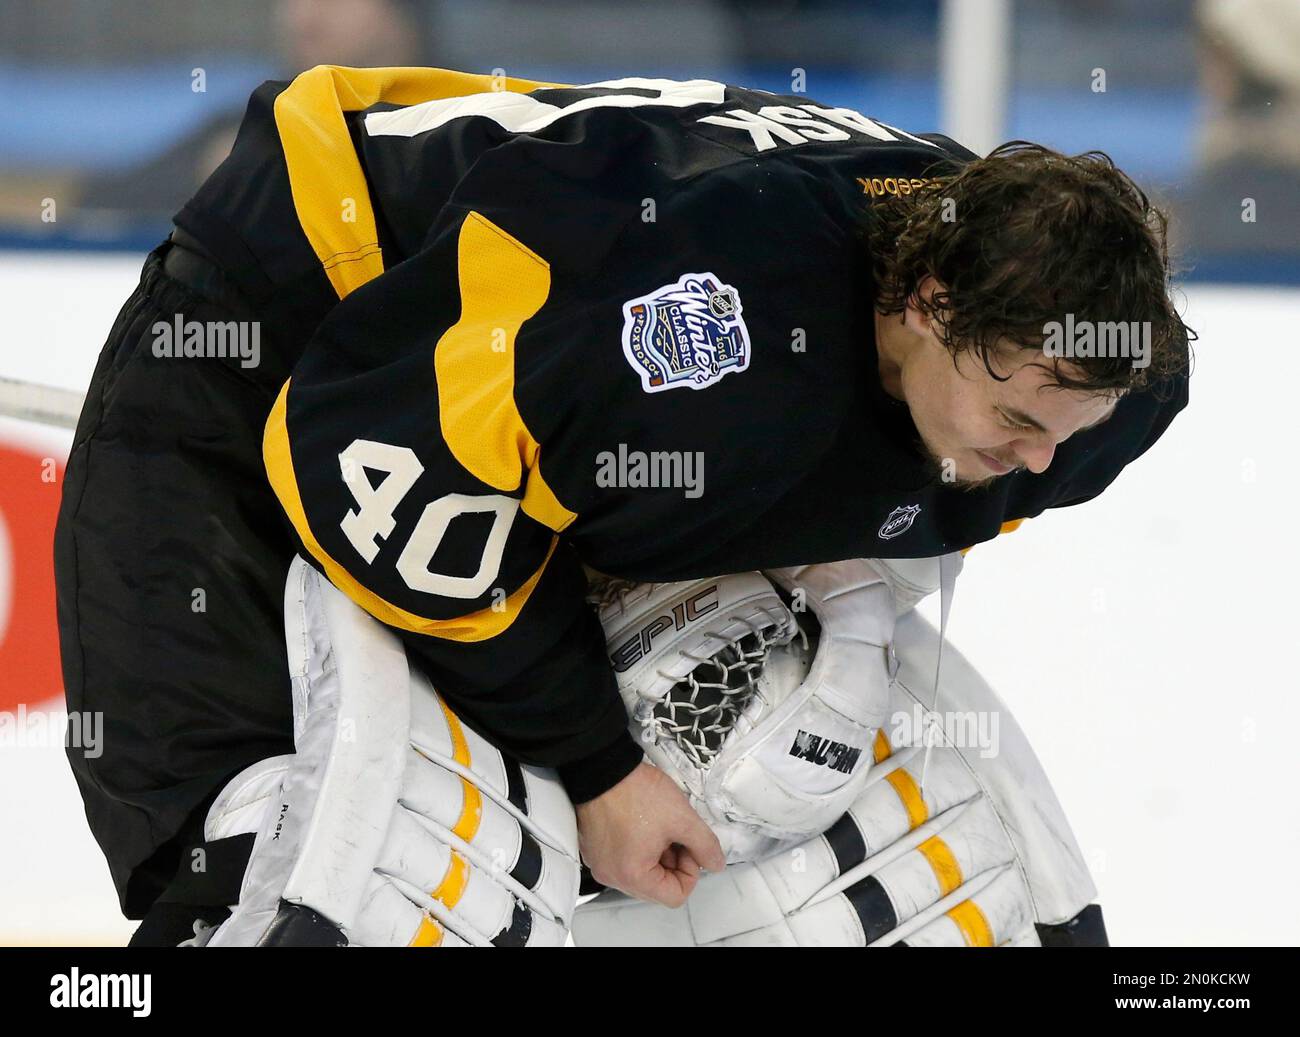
{"x": 627, "y": 324}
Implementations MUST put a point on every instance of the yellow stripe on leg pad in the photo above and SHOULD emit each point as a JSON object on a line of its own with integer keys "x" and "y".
{"x": 471, "y": 811}
{"x": 428, "y": 935}
{"x": 459, "y": 744}
{"x": 453, "y": 884}
{"x": 943, "y": 863}
{"x": 910, "y": 794}
{"x": 974, "y": 926}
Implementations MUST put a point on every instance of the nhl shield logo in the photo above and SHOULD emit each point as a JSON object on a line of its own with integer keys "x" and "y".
{"x": 686, "y": 334}
{"x": 899, "y": 522}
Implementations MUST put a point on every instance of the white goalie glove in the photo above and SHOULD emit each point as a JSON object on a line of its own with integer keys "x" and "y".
{"x": 767, "y": 732}
{"x": 963, "y": 846}
{"x": 392, "y": 824}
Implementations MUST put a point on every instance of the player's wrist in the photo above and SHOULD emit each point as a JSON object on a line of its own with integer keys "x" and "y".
{"x": 589, "y": 776}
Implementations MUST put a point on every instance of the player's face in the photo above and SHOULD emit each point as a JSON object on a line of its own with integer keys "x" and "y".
{"x": 976, "y": 428}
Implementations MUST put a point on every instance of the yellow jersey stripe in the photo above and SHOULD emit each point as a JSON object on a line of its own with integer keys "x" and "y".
{"x": 1009, "y": 526}
{"x": 325, "y": 175}
{"x": 477, "y": 626}
{"x": 502, "y": 284}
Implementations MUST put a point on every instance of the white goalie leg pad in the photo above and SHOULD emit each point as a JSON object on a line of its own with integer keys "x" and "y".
{"x": 971, "y": 849}
{"x": 393, "y": 824}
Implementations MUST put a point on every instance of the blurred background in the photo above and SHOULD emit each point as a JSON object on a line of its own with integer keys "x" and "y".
{"x": 1153, "y": 688}
{"x": 117, "y": 109}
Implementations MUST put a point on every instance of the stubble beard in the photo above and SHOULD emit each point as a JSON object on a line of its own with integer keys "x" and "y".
{"x": 938, "y": 470}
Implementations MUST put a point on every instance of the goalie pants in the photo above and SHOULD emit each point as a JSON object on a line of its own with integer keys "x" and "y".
{"x": 170, "y": 560}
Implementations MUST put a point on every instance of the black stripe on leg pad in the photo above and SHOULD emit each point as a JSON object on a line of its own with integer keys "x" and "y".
{"x": 521, "y": 926}
{"x": 1086, "y": 929}
{"x": 296, "y": 925}
{"x": 528, "y": 866}
{"x": 516, "y": 790}
{"x": 874, "y": 908}
{"x": 845, "y": 840}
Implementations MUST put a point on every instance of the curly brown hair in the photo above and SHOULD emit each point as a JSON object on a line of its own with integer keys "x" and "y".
{"x": 1021, "y": 238}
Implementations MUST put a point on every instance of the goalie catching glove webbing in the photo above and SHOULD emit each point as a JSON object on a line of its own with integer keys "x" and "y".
{"x": 768, "y": 732}
{"x": 393, "y": 824}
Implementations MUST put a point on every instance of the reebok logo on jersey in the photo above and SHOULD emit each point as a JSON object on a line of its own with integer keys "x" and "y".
{"x": 894, "y": 186}
{"x": 899, "y": 522}
{"x": 686, "y": 334}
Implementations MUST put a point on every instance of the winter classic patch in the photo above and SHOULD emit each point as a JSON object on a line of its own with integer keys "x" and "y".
{"x": 689, "y": 333}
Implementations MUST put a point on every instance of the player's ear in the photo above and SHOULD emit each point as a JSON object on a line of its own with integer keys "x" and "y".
{"x": 915, "y": 316}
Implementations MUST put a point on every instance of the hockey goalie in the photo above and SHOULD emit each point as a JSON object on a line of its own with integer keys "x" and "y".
{"x": 715, "y": 345}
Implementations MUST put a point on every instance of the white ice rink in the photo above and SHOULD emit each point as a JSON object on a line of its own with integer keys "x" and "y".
{"x": 1145, "y": 641}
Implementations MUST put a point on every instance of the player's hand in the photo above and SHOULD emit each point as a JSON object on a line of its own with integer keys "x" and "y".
{"x": 644, "y": 838}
